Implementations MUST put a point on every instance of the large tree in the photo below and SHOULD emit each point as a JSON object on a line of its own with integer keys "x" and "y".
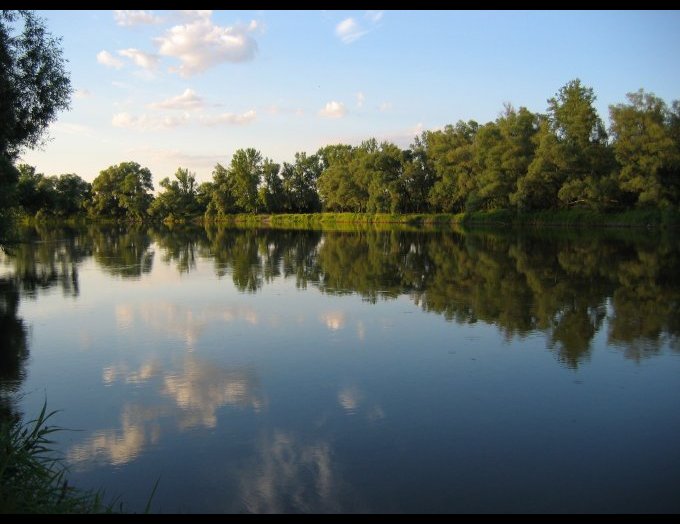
{"x": 451, "y": 152}
{"x": 122, "y": 191}
{"x": 34, "y": 84}
{"x": 647, "y": 147}
{"x": 178, "y": 200}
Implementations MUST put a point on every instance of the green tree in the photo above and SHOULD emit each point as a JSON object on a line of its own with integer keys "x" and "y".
{"x": 122, "y": 191}
{"x": 178, "y": 200}
{"x": 235, "y": 190}
{"x": 270, "y": 193}
{"x": 245, "y": 172}
{"x": 9, "y": 176}
{"x": 73, "y": 195}
{"x": 504, "y": 149}
{"x": 385, "y": 170}
{"x": 35, "y": 191}
{"x": 538, "y": 188}
{"x": 647, "y": 147}
{"x": 583, "y": 157}
{"x": 336, "y": 184}
{"x": 34, "y": 84}
{"x": 300, "y": 182}
{"x": 222, "y": 200}
{"x": 451, "y": 152}
{"x": 417, "y": 177}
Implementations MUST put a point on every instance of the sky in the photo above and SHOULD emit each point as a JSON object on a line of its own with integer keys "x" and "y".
{"x": 170, "y": 89}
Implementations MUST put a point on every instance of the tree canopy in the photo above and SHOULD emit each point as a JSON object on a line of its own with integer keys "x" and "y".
{"x": 522, "y": 161}
{"x": 34, "y": 83}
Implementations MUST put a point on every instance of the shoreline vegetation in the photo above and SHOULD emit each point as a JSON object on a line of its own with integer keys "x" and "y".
{"x": 558, "y": 168}
{"x": 503, "y": 218}
{"x": 572, "y": 218}
{"x": 33, "y": 479}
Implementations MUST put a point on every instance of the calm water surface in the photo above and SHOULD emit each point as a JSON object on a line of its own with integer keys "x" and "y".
{"x": 352, "y": 371}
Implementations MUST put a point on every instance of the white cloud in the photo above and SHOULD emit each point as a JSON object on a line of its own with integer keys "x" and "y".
{"x": 140, "y": 58}
{"x": 374, "y": 16}
{"x": 333, "y": 109}
{"x": 187, "y": 101}
{"x": 145, "y": 123}
{"x": 230, "y": 118}
{"x": 131, "y": 18}
{"x": 360, "y": 99}
{"x": 349, "y": 30}
{"x": 107, "y": 59}
{"x": 385, "y": 106}
{"x": 82, "y": 93}
{"x": 200, "y": 44}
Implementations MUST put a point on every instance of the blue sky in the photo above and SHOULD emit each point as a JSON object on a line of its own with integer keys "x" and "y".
{"x": 173, "y": 89}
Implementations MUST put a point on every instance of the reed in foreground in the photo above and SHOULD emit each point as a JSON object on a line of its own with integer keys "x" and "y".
{"x": 32, "y": 479}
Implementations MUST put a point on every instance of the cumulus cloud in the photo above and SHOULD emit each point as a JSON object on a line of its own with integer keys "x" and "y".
{"x": 360, "y": 99}
{"x": 131, "y": 18}
{"x": 107, "y": 59}
{"x": 333, "y": 109}
{"x": 140, "y": 58}
{"x": 144, "y": 122}
{"x": 385, "y": 106}
{"x": 349, "y": 30}
{"x": 230, "y": 118}
{"x": 201, "y": 44}
{"x": 187, "y": 101}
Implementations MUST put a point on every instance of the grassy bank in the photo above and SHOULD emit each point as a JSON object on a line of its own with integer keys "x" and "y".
{"x": 566, "y": 218}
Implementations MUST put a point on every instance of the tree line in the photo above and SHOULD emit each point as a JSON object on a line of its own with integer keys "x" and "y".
{"x": 522, "y": 161}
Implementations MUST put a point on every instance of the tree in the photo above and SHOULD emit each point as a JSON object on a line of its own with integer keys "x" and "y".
{"x": 235, "y": 189}
{"x": 73, "y": 194}
{"x": 538, "y": 188}
{"x": 179, "y": 198}
{"x": 336, "y": 185}
{"x": 504, "y": 150}
{"x": 245, "y": 172}
{"x": 34, "y": 84}
{"x": 451, "y": 153}
{"x": 35, "y": 192}
{"x": 270, "y": 193}
{"x": 647, "y": 148}
{"x": 122, "y": 191}
{"x": 299, "y": 183}
{"x": 418, "y": 177}
{"x": 584, "y": 157}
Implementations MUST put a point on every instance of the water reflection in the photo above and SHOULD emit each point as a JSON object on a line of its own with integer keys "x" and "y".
{"x": 289, "y": 476}
{"x": 192, "y": 364}
{"x": 196, "y": 387}
{"x": 13, "y": 348}
{"x": 199, "y": 388}
{"x": 563, "y": 284}
{"x": 138, "y": 427}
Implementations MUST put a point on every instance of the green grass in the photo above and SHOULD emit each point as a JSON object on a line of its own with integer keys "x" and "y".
{"x": 33, "y": 479}
{"x": 496, "y": 218}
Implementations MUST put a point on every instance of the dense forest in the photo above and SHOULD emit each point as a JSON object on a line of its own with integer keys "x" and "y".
{"x": 523, "y": 161}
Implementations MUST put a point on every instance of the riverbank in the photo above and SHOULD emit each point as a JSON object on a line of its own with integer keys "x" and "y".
{"x": 573, "y": 218}
{"x": 568, "y": 218}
